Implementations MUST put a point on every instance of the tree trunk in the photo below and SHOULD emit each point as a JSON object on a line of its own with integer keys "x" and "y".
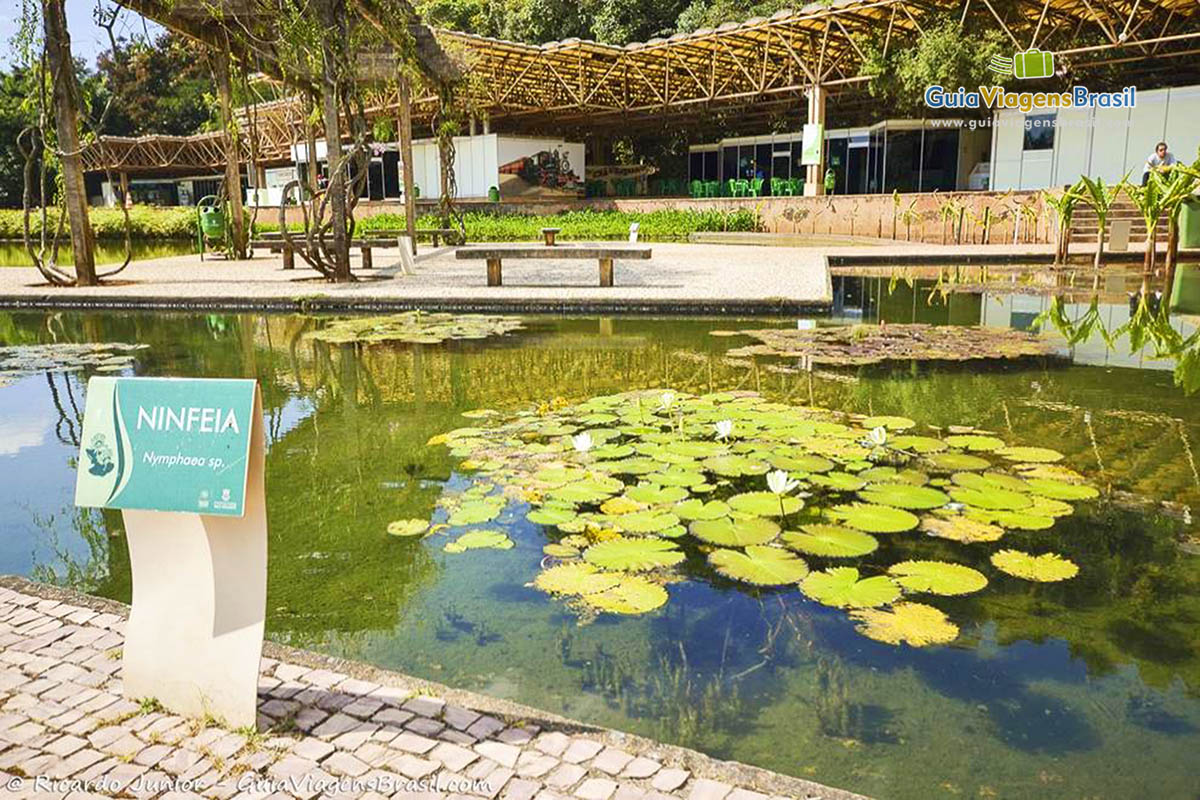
{"x": 406, "y": 161}
{"x": 233, "y": 155}
{"x": 66, "y": 119}
{"x": 333, "y": 148}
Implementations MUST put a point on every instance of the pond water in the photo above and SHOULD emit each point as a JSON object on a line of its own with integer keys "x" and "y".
{"x": 13, "y": 254}
{"x": 1085, "y": 688}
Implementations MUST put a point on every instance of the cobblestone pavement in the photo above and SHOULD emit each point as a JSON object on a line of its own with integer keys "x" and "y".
{"x": 326, "y": 728}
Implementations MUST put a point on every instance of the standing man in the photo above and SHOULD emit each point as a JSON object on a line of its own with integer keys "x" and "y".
{"x": 1160, "y": 160}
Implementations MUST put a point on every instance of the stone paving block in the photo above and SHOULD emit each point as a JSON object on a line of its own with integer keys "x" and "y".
{"x": 670, "y": 779}
{"x": 458, "y": 717}
{"x": 499, "y": 752}
{"x": 627, "y": 791}
{"x": 546, "y": 794}
{"x": 457, "y": 737}
{"x": 308, "y": 718}
{"x": 336, "y": 726}
{"x": 484, "y": 727}
{"x": 707, "y": 789}
{"x": 374, "y": 754}
{"x": 454, "y": 757}
{"x": 357, "y": 687}
{"x": 425, "y": 706}
{"x": 79, "y": 761}
{"x": 596, "y": 789}
{"x": 312, "y": 749}
{"x": 516, "y": 736}
{"x": 65, "y": 745}
{"x": 745, "y": 794}
{"x": 581, "y": 750}
{"x": 534, "y": 764}
{"x": 565, "y": 776}
{"x": 151, "y": 755}
{"x": 342, "y": 763}
{"x": 411, "y": 766}
{"x": 520, "y": 789}
{"x": 495, "y": 782}
{"x": 363, "y": 707}
{"x": 122, "y": 775}
{"x": 481, "y": 769}
{"x": 413, "y": 743}
{"x": 424, "y": 726}
{"x": 392, "y": 716}
{"x": 641, "y": 767}
{"x": 611, "y": 760}
{"x": 352, "y": 740}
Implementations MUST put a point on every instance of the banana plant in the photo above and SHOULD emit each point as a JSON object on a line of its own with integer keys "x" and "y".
{"x": 1101, "y": 198}
{"x": 1149, "y": 202}
{"x": 1182, "y": 186}
{"x": 1064, "y": 207}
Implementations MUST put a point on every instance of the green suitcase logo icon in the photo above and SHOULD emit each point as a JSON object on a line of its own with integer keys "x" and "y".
{"x": 1033, "y": 64}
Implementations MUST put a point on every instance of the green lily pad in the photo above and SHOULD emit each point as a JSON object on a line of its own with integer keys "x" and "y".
{"x": 975, "y": 442}
{"x": 991, "y": 499}
{"x": 800, "y": 463}
{"x": 675, "y": 478}
{"x": 697, "y": 449}
{"x": 838, "y": 481}
{"x": 646, "y": 521}
{"x": 765, "y": 504}
{"x": 1061, "y": 490}
{"x": 830, "y": 541}
{"x": 903, "y": 495}
{"x": 594, "y": 489}
{"x": 1025, "y": 520}
{"x": 918, "y": 444}
{"x": 735, "y": 532}
{"x": 914, "y": 624}
{"x": 734, "y": 466}
{"x": 475, "y": 512}
{"x": 633, "y": 595}
{"x": 636, "y": 555}
{"x": 698, "y": 509}
{"x": 953, "y": 462}
{"x": 961, "y": 528}
{"x": 760, "y": 565}
{"x": 559, "y": 550}
{"x": 575, "y": 579}
{"x": 408, "y": 527}
{"x": 656, "y": 495}
{"x": 1044, "y": 568}
{"x": 1033, "y": 455}
{"x": 842, "y": 587}
{"x": 989, "y": 480}
{"x": 937, "y": 577}
{"x": 479, "y": 540}
{"x": 551, "y": 515}
{"x": 873, "y": 518}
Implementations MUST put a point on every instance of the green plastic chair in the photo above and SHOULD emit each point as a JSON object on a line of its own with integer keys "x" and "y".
{"x": 743, "y": 188}
{"x": 755, "y": 187}
{"x": 712, "y": 189}
{"x": 779, "y": 187}
{"x": 697, "y": 189}
{"x": 797, "y": 187}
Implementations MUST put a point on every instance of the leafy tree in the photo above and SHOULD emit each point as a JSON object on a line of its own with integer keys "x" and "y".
{"x": 160, "y": 86}
{"x": 13, "y": 119}
{"x": 711, "y": 13}
{"x": 946, "y": 55}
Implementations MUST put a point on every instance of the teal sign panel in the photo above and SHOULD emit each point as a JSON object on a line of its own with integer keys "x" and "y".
{"x": 166, "y": 444}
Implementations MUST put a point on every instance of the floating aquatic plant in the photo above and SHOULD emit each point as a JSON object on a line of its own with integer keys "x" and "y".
{"x": 635, "y": 488}
{"x": 851, "y": 345}
{"x": 415, "y": 327}
{"x": 1044, "y": 568}
{"x": 27, "y": 359}
{"x": 479, "y": 540}
{"x": 408, "y": 527}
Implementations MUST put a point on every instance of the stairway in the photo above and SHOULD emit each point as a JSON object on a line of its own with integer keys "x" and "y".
{"x": 1084, "y": 227}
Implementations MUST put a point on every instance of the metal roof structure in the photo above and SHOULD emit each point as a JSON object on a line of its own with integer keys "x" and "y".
{"x": 747, "y": 70}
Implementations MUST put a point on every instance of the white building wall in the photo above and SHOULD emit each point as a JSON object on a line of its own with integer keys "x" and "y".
{"x": 1106, "y": 143}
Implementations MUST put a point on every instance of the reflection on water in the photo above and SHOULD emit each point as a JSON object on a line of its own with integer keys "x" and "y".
{"x": 1081, "y": 689}
{"x": 14, "y": 254}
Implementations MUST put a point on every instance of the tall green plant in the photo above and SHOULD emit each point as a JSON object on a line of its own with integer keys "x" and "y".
{"x": 1101, "y": 198}
{"x": 1064, "y": 208}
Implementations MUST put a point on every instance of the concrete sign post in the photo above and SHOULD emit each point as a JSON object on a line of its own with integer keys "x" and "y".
{"x": 183, "y": 460}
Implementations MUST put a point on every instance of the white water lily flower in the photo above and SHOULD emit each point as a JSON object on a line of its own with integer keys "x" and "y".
{"x": 780, "y": 483}
{"x": 878, "y": 436}
{"x": 724, "y": 428}
{"x": 666, "y": 400}
{"x": 582, "y": 442}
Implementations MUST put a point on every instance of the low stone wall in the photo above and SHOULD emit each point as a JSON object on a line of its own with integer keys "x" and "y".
{"x": 932, "y": 218}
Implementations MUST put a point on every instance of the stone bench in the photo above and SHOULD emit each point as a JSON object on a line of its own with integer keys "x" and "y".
{"x": 435, "y": 235}
{"x": 605, "y": 254}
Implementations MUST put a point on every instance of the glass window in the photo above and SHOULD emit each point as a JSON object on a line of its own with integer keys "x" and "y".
{"x": 762, "y": 162}
{"x": 710, "y": 165}
{"x": 695, "y": 166}
{"x": 1039, "y": 131}
{"x": 902, "y": 163}
{"x": 729, "y": 163}
{"x": 939, "y": 168}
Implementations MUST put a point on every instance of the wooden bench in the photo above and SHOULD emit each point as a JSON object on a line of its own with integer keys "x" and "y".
{"x": 548, "y": 234}
{"x": 605, "y": 254}
{"x": 276, "y": 244}
{"x": 435, "y": 235}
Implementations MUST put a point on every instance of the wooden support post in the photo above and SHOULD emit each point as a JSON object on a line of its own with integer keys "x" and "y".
{"x": 66, "y": 122}
{"x": 289, "y": 257}
{"x": 815, "y": 179}
{"x": 606, "y": 272}
{"x": 126, "y": 200}
{"x": 367, "y": 261}
{"x": 233, "y": 171}
{"x": 406, "y": 163}
{"x": 493, "y": 272}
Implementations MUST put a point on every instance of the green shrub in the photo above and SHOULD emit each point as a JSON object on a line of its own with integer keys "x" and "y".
{"x": 147, "y": 222}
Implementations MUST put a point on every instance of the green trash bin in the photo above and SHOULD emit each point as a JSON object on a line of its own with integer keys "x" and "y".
{"x": 1189, "y": 223}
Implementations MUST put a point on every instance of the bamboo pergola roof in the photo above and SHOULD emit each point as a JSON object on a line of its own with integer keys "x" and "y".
{"x": 745, "y": 70}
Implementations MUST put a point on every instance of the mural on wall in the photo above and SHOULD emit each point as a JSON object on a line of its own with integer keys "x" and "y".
{"x": 544, "y": 172}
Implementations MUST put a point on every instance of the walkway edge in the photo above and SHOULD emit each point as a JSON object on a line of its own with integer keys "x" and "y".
{"x": 698, "y": 763}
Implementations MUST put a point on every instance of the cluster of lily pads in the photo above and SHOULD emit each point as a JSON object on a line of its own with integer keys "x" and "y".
{"x": 415, "y": 327}
{"x": 29, "y": 359}
{"x": 853, "y": 345}
{"x": 630, "y": 486}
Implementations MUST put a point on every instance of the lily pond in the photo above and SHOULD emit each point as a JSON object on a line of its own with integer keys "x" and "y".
{"x": 972, "y": 576}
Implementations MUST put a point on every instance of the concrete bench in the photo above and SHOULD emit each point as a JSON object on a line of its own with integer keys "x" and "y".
{"x": 494, "y": 255}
